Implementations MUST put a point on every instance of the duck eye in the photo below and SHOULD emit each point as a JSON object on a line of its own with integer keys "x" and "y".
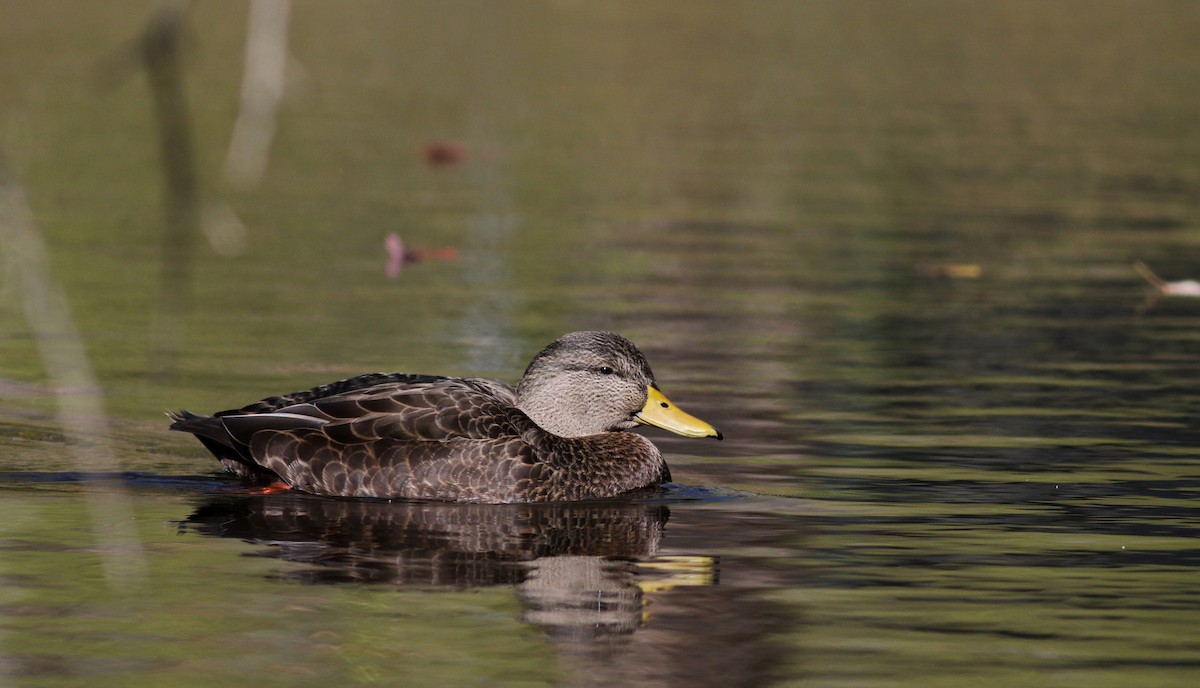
{"x": 605, "y": 370}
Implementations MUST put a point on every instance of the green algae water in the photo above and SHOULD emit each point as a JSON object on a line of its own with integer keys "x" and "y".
{"x": 886, "y": 248}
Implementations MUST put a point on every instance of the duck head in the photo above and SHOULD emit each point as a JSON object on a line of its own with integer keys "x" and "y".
{"x": 586, "y": 383}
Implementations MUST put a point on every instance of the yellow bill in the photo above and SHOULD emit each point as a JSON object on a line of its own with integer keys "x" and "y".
{"x": 661, "y": 413}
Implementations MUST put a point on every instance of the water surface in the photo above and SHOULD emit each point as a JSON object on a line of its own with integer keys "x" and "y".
{"x": 885, "y": 248}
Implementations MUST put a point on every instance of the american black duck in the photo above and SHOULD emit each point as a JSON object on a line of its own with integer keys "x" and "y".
{"x": 559, "y": 435}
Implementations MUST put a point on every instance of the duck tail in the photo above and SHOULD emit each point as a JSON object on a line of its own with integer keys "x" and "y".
{"x": 203, "y": 427}
{"x": 211, "y": 432}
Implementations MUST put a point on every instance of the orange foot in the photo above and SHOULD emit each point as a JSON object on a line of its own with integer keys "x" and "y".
{"x": 273, "y": 488}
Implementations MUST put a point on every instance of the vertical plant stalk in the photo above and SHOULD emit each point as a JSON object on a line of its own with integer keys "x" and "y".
{"x": 161, "y": 53}
{"x": 263, "y": 82}
{"x": 77, "y": 392}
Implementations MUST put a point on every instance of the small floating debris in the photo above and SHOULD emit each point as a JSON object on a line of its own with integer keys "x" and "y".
{"x": 446, "y": 153}
{"x": 950, "y": 270}
{"x": 1181, "y": 288}
{"x": 398, "y": 255}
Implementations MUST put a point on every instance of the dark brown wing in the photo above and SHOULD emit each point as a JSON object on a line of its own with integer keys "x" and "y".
{"x": 426, "y": 409}
{"x": 434, "y": 410}
{"x": 348, "y": 385}
{"x": 358, "y": 409}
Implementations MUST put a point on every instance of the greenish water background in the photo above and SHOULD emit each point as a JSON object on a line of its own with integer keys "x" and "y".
{"x": 927, "y": 480}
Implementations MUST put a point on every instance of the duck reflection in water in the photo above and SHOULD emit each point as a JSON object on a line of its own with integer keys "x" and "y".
{"x": 581, "y": 570}
{"x": 619, "y": 606}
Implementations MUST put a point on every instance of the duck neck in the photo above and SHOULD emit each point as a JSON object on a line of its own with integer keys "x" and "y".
{"x": 555, "y": 423}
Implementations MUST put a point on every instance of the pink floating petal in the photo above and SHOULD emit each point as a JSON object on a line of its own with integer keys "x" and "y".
{"x": 395, "y": 255}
